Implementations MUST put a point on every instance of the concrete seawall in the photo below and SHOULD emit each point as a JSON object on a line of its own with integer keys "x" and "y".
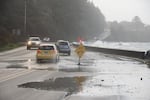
{"x": 128, "y": 53}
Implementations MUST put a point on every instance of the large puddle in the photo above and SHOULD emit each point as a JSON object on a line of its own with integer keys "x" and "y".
{"x": 71, "y": 85}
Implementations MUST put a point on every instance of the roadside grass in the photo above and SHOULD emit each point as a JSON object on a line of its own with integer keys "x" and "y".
{"x": 9, "y": 47}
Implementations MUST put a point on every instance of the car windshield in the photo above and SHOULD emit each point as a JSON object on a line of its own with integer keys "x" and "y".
{"x": 46, "y": 47}
{"x": 63, "y": 43}
{"x": 64, "y": 46}
{"x": 35, "y": 39}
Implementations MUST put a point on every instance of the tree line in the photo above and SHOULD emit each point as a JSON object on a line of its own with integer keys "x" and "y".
{"x": 57, "y": 19}
{"x": 125, "y": 31}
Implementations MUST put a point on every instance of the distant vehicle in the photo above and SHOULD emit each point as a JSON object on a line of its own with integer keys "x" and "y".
{"x": 47, "y": 52}
{"x": 63, "y": 47}
{"x": 33, "y": 42}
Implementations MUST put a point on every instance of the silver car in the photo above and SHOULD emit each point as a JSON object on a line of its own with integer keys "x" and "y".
{"x": 63, "y": 47}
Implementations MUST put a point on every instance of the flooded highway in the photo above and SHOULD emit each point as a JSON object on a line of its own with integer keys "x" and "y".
{"x": 99, "y": 77}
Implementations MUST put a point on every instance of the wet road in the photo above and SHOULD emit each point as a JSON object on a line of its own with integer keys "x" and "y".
{"x": 99, "y": 77}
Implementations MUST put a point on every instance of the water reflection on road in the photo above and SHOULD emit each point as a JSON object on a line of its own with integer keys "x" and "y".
{"x": 106, "y": 78}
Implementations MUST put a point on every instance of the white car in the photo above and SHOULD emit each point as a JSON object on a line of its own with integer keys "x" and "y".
{"x": 33, "y": 42}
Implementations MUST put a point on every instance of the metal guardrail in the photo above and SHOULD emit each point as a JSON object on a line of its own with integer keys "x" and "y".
{"x": 128, "y": 53}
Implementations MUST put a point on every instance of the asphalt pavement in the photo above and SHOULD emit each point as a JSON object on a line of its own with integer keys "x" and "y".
{"x": 99, "y": 77}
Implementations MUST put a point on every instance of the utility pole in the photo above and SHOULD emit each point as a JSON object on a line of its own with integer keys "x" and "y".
{"x": 25, "y": 16}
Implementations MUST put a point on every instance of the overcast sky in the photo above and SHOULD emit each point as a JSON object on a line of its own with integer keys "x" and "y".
{"x": 124, "y": 9}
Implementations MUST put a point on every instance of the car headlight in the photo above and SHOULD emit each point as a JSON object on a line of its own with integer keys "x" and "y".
{"x": 29, "y": 42}
{"x": 37, "y": 43}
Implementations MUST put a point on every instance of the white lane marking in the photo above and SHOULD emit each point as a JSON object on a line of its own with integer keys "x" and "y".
{"x": 15, "y": 75}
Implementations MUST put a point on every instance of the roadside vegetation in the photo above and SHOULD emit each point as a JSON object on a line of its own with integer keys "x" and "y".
{"x": 9, "y": 47}
{"x": 57, "y": 19}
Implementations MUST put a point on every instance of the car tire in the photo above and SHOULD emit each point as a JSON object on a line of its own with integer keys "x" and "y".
{"x": 69, "y": 54}
{"x": 38, "y": 60}
{"x": 28, "y": 48}
{"x": 56, "y": 60}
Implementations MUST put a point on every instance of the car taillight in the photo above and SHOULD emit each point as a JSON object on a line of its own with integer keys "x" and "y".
{"x": 39, "y": 51}
{"x": 54, "y": 51}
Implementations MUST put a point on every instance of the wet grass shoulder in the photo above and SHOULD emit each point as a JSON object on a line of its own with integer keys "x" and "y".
{"x": 9, "y": 46}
